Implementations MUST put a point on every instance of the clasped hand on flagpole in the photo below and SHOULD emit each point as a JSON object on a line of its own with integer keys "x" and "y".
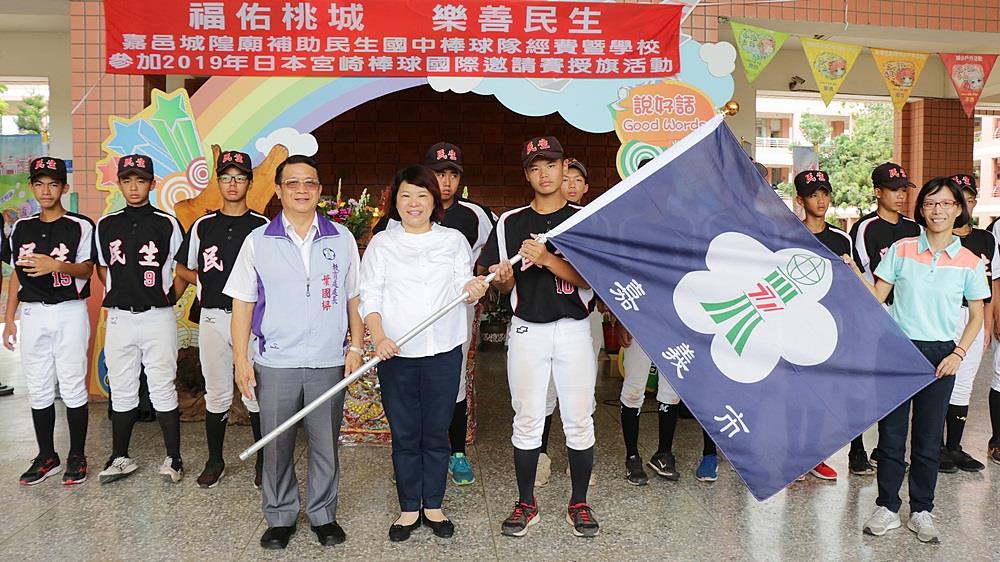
{"x": 346, "y": 381}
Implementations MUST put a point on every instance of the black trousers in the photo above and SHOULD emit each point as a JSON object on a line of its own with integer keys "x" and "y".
{"x": 929, "y": 408}
{"x": 418, "y": 394}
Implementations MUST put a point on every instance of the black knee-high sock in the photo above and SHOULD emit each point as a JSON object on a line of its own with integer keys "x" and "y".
{"x": 121, "y": 431}
{"x": 170, "y": 425}
{"x": 581, "y": 464}
{"x": 707, "y": 446}
{"x": 667, "y": 418}
{"x": 215, "y": 433}
{"x": 77, "y": 420}
{"x": 858, "y": 444}
{"x": 630, "y": 430}
{"x": 995, "y": 417}
{"x": 546, "y": 430}
{"x": 44, "y": 421}
{"x": 525, "y": 463}
{"x": 459, "y": 425}
{"x": 255, "y": 428}
{"x": 955, "y": 422}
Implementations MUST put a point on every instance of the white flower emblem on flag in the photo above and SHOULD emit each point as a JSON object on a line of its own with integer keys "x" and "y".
{"x": 761, "y": 305}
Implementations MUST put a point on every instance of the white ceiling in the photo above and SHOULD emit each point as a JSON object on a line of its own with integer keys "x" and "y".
{"x": 34, "y": 15}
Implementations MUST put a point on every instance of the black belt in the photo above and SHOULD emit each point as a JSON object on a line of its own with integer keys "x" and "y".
{"x": 137, "y": 309}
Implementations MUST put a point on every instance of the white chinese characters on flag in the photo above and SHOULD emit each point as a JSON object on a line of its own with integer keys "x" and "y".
{"x": 393, "y": 38}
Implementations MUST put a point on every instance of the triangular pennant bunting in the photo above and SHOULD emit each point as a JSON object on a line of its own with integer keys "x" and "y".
{"x": 757, "y": 47}
{"x": 830, "y": 63}
{"x": 969, "y": 74}
{"x": 900, "y": 70}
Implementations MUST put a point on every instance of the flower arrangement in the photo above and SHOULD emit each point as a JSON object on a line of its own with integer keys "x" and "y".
{"x": 358, "y": 215}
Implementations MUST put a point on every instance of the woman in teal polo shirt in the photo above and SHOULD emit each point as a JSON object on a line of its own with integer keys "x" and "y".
{"x": 930, "y": 275}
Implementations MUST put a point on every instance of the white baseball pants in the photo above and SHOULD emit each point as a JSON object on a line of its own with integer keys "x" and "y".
{"x": 53, "y": 345}
{"x": 215, "y": 350}
{"x": 142, "y": 340}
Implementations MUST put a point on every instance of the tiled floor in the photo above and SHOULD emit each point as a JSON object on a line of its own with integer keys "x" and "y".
{"x": 143, "y": 518}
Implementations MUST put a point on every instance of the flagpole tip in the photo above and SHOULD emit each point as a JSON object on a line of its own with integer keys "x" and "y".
{"x": 732, "y": 107}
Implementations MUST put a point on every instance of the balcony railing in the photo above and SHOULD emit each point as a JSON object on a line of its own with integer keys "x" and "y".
{"x": 769, "y": 142}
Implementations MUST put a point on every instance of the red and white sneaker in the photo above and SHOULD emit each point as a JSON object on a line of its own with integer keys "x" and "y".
{"x": 581, "y": 517}
{"x": 824, "y": 471}
{"x": 524, "y": 516}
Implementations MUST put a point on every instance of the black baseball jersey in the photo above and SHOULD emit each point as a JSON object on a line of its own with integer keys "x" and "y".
{"x": 872, "y": 236}
{"x": 837, "y": 240}
{"x": 538, "y": 295}
{"x": 983, "y": 244}
{"x": 138, "y": 245}
{"x": 210, "y": 248}
{"x": 473, "y": 220}
{"x": 70, "y": 238}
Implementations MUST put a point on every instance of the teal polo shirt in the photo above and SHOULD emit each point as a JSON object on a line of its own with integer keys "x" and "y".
{"x": 929, "y": 286}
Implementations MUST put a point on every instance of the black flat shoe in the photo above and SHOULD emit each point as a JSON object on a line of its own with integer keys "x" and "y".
{"x": 444, "y": 529}
{"x": 400, "y": 533}
{"x": 330, "y": 534}
{"x": 276, "y": 538}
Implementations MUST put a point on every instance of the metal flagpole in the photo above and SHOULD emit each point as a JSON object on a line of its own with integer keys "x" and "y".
{"x": 343, "y": 384}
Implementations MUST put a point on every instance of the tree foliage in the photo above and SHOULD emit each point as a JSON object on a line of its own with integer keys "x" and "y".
{"x": 851, "y": 157}
{"x": 814, "y": 129}
{"x": 32, "y": 114}
{"x": 3, "y": 104}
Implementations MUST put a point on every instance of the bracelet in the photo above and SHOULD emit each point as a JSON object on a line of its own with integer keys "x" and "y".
{"x": 961, "y": 357}
{"x": 355, "y": 349}
{"x": 963, "y": 350}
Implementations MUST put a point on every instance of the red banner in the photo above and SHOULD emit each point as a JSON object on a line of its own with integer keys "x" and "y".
{"x": 393, "y": 38}
{"x": 969, "y": 74}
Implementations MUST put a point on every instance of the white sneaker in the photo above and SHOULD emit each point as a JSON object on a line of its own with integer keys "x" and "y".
{"x": 922, "y": 523}
{"x": 118, "y": 468}
{"x": 593, "y": 477}
{"x": 881, "y": 521}
{"x": 544, "y": 470}
{"x": 172, "y": 470}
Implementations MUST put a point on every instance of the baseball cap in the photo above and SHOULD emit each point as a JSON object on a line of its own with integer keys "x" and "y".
{"x": 442, "y": 156}
{"x": 544, "y": 147}
{"x": 138, "y": 164}
{"x": 811, "y": 181}
{"x": 890, "y": 175}
{"x": 235, "y": 159}
{"x": 574, "y": 163}
{"x": 55, "y": 168}
{"x": 965, "y": 181}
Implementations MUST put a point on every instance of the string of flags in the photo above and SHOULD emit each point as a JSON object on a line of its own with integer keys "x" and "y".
{"x": 831, "y": 61}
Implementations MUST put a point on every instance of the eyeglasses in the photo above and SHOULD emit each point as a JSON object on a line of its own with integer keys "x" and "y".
{"x": 239, "y": 179}
{"x": 928, "y": 205}
{"x": 309, "y": 184}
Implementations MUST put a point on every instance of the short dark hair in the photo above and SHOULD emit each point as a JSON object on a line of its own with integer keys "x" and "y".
{"x": 294, "y": 159}
{"x": 934, "y": 186}
{"x": 420, "y": 176}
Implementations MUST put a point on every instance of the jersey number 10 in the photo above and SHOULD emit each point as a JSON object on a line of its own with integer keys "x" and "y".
{"x": 564, "y": 287}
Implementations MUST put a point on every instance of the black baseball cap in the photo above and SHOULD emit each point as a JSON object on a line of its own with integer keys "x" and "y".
{"x": 137, "y": 164}
{"x": 442, "y": 156}
{"x": 965, "y": 181}
{"x": 55, "y": 168}
{"x": 574, "y": 163}
{"x": 811, "y": 181}
{"x": 891, "y": 176}
{"x": 541, "y": 147}
{"x": 235, "y": 159}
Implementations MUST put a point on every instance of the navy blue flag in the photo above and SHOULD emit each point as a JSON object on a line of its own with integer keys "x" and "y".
{"x": 774, "y": 344}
